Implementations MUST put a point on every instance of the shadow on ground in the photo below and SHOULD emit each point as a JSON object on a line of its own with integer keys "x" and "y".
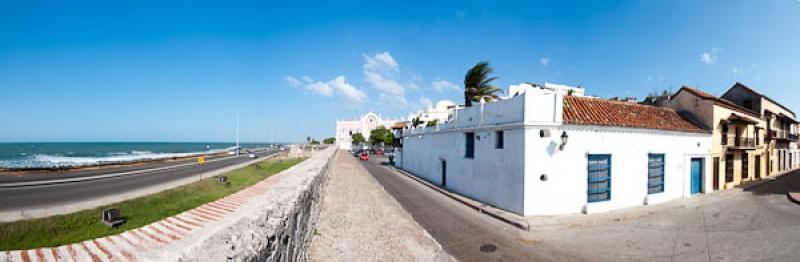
{"x": 782, "y": 185}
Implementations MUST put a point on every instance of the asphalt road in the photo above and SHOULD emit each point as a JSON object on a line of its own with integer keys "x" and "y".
{"x": 27, "y": 197}
{"x": 759, "y": 224}
{"x": 464, "y": 233}
{"x": 42, "y": 175}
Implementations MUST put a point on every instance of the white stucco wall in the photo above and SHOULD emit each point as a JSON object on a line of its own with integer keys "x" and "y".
{"x": 565, "y": 190}
{"x": 493, "y": 176}
{"x": 509, "y": 178}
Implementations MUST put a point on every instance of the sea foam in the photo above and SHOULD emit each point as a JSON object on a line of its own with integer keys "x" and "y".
{"x": 59, "y": 161}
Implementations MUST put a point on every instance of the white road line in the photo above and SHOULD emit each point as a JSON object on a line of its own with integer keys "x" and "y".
{"x": 87, "y": 178}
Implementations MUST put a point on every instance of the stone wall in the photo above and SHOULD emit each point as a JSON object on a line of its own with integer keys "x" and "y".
{"x": 276, "y": 226}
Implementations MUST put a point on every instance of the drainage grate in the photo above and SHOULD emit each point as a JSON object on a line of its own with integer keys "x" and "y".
{"x": 488, "y": 248}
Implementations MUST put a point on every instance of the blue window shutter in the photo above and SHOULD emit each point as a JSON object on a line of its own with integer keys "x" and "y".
{"x": 655, "y": 173}
{"x": 599, "y": 178}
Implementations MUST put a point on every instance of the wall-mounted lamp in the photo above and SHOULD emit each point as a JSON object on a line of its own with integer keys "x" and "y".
{"x": 564, "y": 138}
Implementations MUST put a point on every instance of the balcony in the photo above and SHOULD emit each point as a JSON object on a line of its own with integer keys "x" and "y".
{"x": 781, "y": 135}
{"x": 739, "y": 143}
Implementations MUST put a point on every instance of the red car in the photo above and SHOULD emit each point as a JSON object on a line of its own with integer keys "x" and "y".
{"x": 364, "y": 156}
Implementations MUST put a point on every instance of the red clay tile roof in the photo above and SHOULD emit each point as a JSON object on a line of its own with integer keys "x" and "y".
{"x": 718, "y": 101}
{"x": 398, "y": 125}
{"x": 601, "y": 112}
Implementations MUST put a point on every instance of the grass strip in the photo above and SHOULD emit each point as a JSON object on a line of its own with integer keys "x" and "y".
{"x": 84, "y": 225}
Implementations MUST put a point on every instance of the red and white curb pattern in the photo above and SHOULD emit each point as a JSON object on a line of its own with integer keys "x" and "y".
{"x": 125, "y": 246}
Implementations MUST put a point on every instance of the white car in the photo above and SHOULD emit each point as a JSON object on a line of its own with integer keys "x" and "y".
{"x": 251, "y": 155}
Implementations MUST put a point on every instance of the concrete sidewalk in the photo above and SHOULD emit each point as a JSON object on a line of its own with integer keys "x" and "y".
{"x": 360, "y": 221}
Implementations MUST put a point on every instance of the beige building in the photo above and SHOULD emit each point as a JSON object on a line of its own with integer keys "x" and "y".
{"x": 780, "y": 133}
{"x": 752, "y": 135}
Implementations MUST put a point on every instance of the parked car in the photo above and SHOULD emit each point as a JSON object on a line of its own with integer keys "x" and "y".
{"x": 251, "y": 155}
{"x": 364, "y": 156}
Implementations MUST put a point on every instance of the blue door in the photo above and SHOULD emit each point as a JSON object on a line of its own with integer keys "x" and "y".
{"x": 697, "y": 175}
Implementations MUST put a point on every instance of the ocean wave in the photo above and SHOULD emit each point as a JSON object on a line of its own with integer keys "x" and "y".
{"x": 60, "y": 161}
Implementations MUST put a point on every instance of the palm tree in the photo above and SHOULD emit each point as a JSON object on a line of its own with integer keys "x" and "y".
{"x": 477, "y": 84}
{"x": 415, "y": 122}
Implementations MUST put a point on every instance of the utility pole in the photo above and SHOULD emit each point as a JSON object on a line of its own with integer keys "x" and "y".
{"x": 237, "y": 133}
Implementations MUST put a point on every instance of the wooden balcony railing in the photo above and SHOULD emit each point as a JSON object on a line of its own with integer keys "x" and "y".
{"x": 740, "y": 142}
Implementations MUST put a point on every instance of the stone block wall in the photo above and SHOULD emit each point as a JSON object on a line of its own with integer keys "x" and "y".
{"x": 276, "y": 226}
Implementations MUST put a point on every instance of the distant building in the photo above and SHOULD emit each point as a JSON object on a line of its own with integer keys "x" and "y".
{"x": 364, "y": 125}
{"x": 439, "y": 113}
{"x": 753, "y": 135}
{"x": 550, "y": 150}
{"x": 520, "y": 89}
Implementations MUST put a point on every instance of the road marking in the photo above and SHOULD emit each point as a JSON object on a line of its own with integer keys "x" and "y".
{"x": 112, "y": 175}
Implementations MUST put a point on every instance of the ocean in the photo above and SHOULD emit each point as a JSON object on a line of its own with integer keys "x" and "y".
{"x": 79, "y": 154}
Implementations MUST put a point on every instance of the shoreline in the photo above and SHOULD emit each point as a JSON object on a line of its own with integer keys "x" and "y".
{"x": 44, "y": 170}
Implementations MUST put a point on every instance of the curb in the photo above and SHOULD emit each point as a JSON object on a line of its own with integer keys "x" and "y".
{"x": 794, "y": 197}
{"x": 463, "y": 200}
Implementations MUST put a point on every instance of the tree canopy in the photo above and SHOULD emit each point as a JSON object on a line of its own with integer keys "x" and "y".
{"x": 415, "y": 122}
{"x": 329, "y": 140}
{"x": 358, "y": 138}
{"x": 381, "y": 135}
{"x": 433, "y": 122}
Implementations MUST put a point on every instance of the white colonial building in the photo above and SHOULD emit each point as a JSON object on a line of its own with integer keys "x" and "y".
{"x": 543, "y": 152}
{"x": 364, "y": 125}
{"x": 441, "y": 112}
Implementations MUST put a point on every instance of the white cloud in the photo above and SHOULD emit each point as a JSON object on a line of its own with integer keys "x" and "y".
{"x": 426, "y": 102}
{"x": 441, "y": 86}
{"x": 737, "y": 70}
{"x": 381, "y": 71}
{"x": 292, "y": 81}
{"x": 320, "y": 88}
{"x": 338, "y": 86}
{"x": 348, "y": 91}
{"x": 710, "y": 57}
{"x": 544, "y": 61}
{"x": 380, "y": 62}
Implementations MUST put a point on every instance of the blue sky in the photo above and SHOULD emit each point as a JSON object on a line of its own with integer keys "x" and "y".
{"x": 179, "y": 71}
